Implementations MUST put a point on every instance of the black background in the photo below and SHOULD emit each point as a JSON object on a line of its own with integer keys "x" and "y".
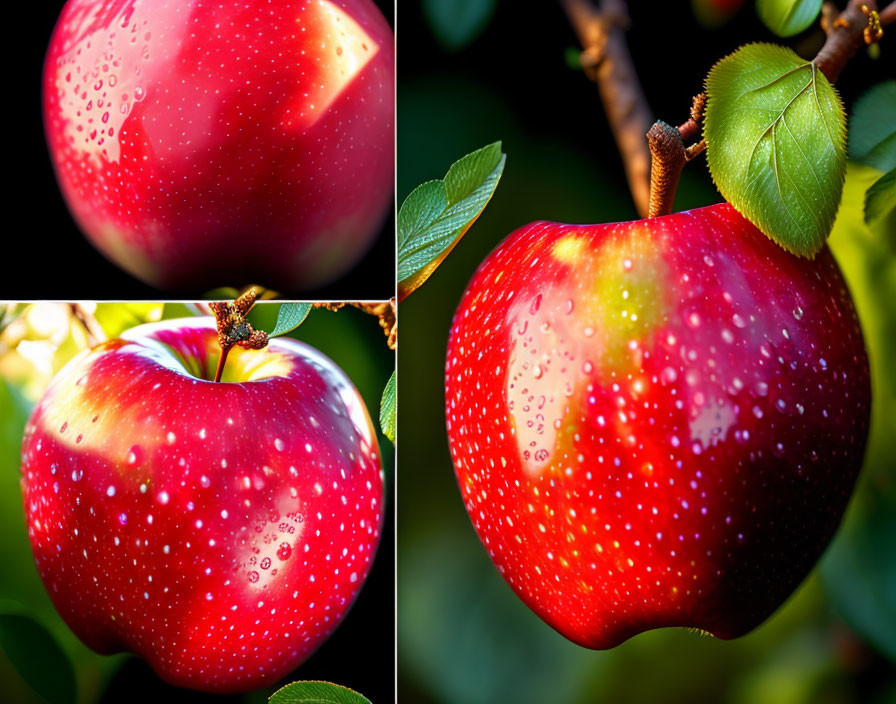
{"x": 59, "y": 261}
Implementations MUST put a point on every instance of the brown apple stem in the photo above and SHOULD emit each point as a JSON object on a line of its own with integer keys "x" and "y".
{"x": 234, "y": 328}
{"x": 668, "y": 155}
{"x": 607, "y": 61}
{"x": 221, "y": 361}
{"x": 858, "y": 24}
{"x": 385, "y": 312}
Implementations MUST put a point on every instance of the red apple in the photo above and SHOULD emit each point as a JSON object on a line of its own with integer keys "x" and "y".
{"x": 221, "y": 530}
{"x": 655, "y": 423}
{"x": 200, "y": 143}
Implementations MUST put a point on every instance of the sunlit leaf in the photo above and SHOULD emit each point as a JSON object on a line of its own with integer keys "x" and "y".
{"x": 788, "y": 17}
{"x": 316, "y": 693}
{"x": 115, "y": 318}
{"x": 437, "y": 214}
{"x": 388, "y": 408}
{"x": 182, "y": 310}
{"x": 456, "y": 23}
{"x": 775, "y": 138}
{"x": 37, "y": 658}
{"x": 289, "y": 317}
{"x": 872, "y": 127}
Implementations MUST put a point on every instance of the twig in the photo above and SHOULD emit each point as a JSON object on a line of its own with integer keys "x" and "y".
{"x": 858, "y": 24}
{"x": 607, "y": 61}
{"x": 94, "y": 330}
{"x": 383, "y": 310}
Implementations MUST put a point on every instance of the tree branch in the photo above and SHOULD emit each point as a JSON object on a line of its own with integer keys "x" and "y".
{"x": 385, "y": 312}
{"x": 858, "y": 24}
{"x": 607, "y": 61}
{"x": 888, "y": 14}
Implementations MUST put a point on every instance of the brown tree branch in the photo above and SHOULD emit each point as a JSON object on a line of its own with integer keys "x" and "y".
{"x": 607, "y": 61}
{"x": 858, "y": 24}
{"x": 385, "y": 312}
{"x": 94, "y": 330}
{"x": 888, "y": 14}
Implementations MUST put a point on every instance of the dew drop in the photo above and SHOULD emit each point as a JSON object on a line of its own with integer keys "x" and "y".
{"x": 536, "y": 304}
{"x": 253, "y": 576}
{"x": 284, "y": 551}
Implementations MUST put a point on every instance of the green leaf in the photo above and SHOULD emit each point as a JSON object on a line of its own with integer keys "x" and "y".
{"x": 880, "y": 200}
{"x": 37, "y": 658}
{"x": 436, "y": 214}
{"x": 289, "y": 317}
{"x": 872, "y": 127}
{"x": 316, "y": 693}
{"x": 224, "y": 293}
{"x": 456, "y": 23}
{"x": 859, "y": 571}
{"x": 788, "y": 17}
{"x": 181, "y": 310}
{"x": 775, "y": 143}
{"x": 387, "y": 409}
{"x": 115, "y": 318}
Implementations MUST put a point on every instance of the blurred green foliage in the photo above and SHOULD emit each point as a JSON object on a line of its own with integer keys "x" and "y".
{"x": 464, "y": 637}
{"x": 41, "y": 660}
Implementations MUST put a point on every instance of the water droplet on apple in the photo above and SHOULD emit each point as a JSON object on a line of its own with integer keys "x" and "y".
{"x": 536, "y": 304}
{"x": 284, "y": 551}
{"x": 265, "y": 563}
{"x": 253, "y": 576}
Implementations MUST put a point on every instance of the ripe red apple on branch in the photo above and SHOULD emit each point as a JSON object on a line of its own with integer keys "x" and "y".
{"x": 220, "y": 530}
{"x": 655, "y": 423}
{"x": 205, "y": 143}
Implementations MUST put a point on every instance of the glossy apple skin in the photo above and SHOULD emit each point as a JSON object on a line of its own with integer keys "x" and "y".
{"x": 199, "y": 144}
{"x": 221, "y": 531}
{"x": 655, "y": 423}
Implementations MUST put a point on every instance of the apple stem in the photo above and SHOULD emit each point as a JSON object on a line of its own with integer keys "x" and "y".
{"x": 221, "y": 361}
{"x": 858, "y": 24}
{"x": 385, "y": 312}
{"x": 607, "y": 61}
{"x": 235, "y": 329}
{"x": 668, "y": 155}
